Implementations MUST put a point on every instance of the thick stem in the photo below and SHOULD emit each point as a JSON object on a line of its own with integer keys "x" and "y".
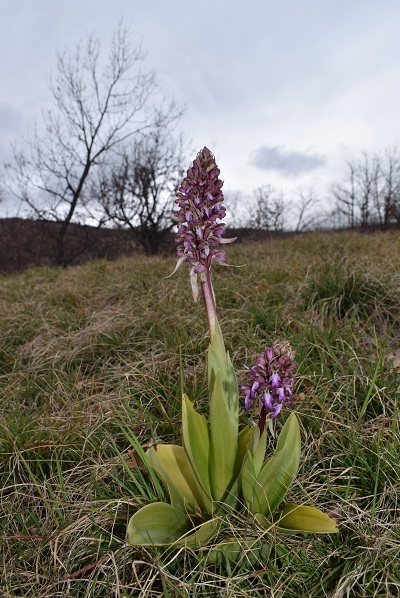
{"x": 209, "y": 301}
{"x": 261, "y": 419}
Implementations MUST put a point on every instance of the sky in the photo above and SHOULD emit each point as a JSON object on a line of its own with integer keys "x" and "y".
{"x": 282, "y": 91}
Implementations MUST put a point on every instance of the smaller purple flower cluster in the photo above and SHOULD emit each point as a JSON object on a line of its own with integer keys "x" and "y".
{"x": 200, "y": 207}
{"x": 271, "y": 380}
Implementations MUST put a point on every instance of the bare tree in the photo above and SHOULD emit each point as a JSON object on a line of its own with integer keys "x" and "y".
{"x": 390, "y": 191}
{"x": 140, "y": 189}
{"x": 307, "y": 215}
{"x": 367, "y": 179}
{"x": 345, "y": 196}
{"x": 96, "y": 109}
{"x": 268, "y": 212}
{"x": 370, "y": 194}
{"x": 236, "y": 209}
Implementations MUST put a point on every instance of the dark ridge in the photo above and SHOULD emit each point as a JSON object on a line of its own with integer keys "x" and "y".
{"x": 26, "y": 243}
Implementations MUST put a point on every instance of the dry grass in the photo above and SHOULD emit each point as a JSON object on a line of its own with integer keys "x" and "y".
{"x": 89, "y": 360}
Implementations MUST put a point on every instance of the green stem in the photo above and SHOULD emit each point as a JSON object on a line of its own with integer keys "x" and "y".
{"x": 209, "y": 301}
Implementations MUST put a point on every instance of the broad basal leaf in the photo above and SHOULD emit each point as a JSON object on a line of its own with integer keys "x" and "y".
{"x": 200, "y": 535}
{"x": 171, "y": 463}
{"x": 224, "y": 435}
{"x": 290, "y": 432}
{"x": 157, "y": 524}
{"x": 248, "y": 479}
{"x": 250, "y": 550}
{"x": 278, "y": 471}
{"x": 231, "y": 499}
{"x": 196, "y": 442}
{"x": 244, "y": 438}
{"x": 259, "y": 451}
{"x": 296, "y": 518}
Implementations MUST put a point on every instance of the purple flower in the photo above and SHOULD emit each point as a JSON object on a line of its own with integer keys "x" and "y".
{"x": 199, "y": 200}
{"x": 271, "y": 380}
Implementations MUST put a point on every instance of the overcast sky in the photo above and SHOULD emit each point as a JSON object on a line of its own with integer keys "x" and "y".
{"x": 282, "y": 91}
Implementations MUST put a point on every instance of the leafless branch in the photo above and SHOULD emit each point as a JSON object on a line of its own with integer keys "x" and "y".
{"x": 96, "y": 108}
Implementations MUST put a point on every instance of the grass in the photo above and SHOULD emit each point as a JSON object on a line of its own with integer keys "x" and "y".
{"x": 90, "y": 374}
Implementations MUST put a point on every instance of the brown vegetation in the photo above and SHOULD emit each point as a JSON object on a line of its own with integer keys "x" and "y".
{"x": 30, "y": 243}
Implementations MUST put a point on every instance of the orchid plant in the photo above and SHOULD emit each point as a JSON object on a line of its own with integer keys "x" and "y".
{"x": 220, "y": 468}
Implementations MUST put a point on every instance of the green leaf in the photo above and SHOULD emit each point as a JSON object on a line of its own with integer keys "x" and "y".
{"x": 296, "y": 519}
{"x": 219, "y": 359}
{"x": 290, "y": 429}
{"x": 157, "y": 524}
{"x": 248, "y": 479}
{"x": 231, "y": 499}
{"x": 216, "y": 356}
{"x": 201, "y": 534}
{"x": 130, "y": 436}
{"x": 263, "y": 521}
{"x": 224, "y": 412}
{"x": 196, "y": 442}
{"x": 224, "y": 435}
{"x": 231, "y": 391}
{"x": 279, "y": 470}
{"x": 244, "y": 438}
{"x": 172, "y": 465}
{"x": 250, "y": 550}
{"x": 259, "y": 453}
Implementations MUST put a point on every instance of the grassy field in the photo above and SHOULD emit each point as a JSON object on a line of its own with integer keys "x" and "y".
{"x": 90, "y": 366}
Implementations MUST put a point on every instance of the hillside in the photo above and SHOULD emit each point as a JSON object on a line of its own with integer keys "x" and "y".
{"x": 92, "y": 361}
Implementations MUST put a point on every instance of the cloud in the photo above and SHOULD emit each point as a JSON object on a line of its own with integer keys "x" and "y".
{"x": 268, "y": 157}
{"x": 9, "y": 118}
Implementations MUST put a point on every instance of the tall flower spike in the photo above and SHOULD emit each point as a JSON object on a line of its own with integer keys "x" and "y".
{"x": 198, "y": 240}
{"x": 200, "y": 209}
{"x": 270, "y": 382}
